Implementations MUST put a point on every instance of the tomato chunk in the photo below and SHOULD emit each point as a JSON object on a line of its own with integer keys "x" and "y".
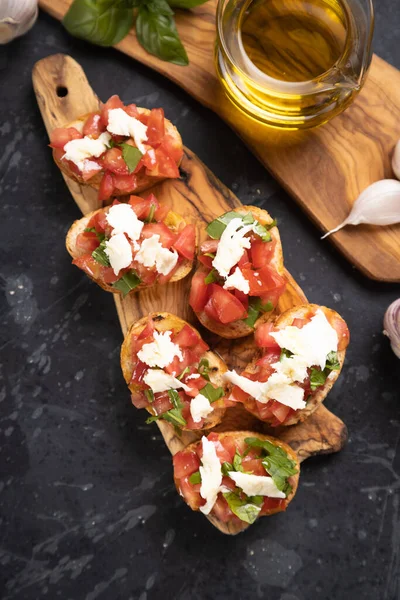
{"x": 62, "y": 135}
{"x": 155, "y": 127}
{"x": 186, "y": 338}
{"x": 125, "y": 183}
{"x": 198, "y": 291}
{"x": 227, "y": 307}
{"x": 167, "y": 237}
{"x": 263, "y": 338}
{"x": 114, "y": 162}
{"x": 106, "y": 188}
{"x": 185, "y": 463}
{"x": 86, "y": 242}
{"x": 262, "y": 252}
{"x": 113, "y": 102}
{"x": 186, "y": 242}
{"x": 93, "y": 126}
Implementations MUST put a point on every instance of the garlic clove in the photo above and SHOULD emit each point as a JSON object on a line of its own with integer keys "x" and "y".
{"x": 16, "y": 18}
{"x": 396, "y": 160}
{"x": 391, "y": 324}
{"x": 378, "y": 204}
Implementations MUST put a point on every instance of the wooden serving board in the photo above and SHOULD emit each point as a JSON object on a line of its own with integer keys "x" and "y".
{"x": 200, "y": 197}
{"x": 324, "y": 169}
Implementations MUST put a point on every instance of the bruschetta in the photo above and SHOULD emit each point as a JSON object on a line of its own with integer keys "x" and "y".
{"x": 119, "y": 149}
{"x": 241, "y": 276}
{"x": 129, "y": 246}
{"x": 237, "y": 477}
{"x": 171, "y": 372}
{"x": 302, "y": 354}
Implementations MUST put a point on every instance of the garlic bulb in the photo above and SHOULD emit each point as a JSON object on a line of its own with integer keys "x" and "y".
{"x": 396, "y": 160}
{"x": 378, "y": 204}
{"x": 16, "y": 18}
{"x": 391, "y": 324}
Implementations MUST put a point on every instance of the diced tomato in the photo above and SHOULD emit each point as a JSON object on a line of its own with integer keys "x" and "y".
{"x": 139, "y": 370}
{"x": 222, "y": 452}
{"x": 162, "y": 403}
{"x": 88, "y": 173}
{"x": 341, "y": 329}
{"x": 280, "y": 411}
{"x": 62, "y": 135}
{"x": 89, "y": 265}
{"x": 206, "y": 261}
{"x": 229, "y": 444}
{"x": 185, "y": 463}
{"x": 198, "y": 291}
{"x": 167, "y": 237}
{"x": 253, "y": 465}
{"x": 271, "y": 280}
{"x": 272, "y": 504}
{"x": 244, "y": 262}
{"x": 125, "y": 183}
{"x": 190, "y": 423}
{"x": 211, "y": 311}
{"x": 165, "y": 167}
{"x": 186, "y": 338}
{"x": 149, "y": 159}
{"x": 86, "y": 242}
{"x": 262, "y": 252}
{"x": 299, "y": 323}
{"x": 196, "y": 385}
{"x": 155, "y": 127}
{"x": 243, "y": 298}
{"x": 262, "y": 411}
{"x": 106, "y": 188}
{"x": 229, "y": 483}
{"x": 108, "y": 275}
{"x": 139, "y": 400}
{"x": 186, "y": 242}
{"x": 113, "y": 102}
{"x": 131, "y": 110}
{"x": 113, "y": 161}
{"x": 161, "y": 213}
{"x": 238, "y": 395}
{"x": 173, "y": 148}
{"x": 227, "y": 307}
{"x": 221, "y": 510}
{"x": 191, "y": 496}
{"x": 140, "y": 206}
{"x": 148, "y": 331}
{"x": 209, "y": 246}
{"x": 177, "y": 366}
{"x": 93, "y": 126}
{"x": 98, "y": 221}
{"x": 263, "y": 339}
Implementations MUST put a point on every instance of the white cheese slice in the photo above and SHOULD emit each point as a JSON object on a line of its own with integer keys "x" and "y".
{"x": 77, "y": 151}
{"x": 200, "y": 408}
{"x": 294, "y": 368}
{"x": 152, "y": 253}
{"x": 193, "y": 376}
{"x": 159, "y": 381}
{"x": 231, "y": 246}
{"x": 120, "y": 123}
{"x": 123, "y": 219}
{"x": 256, "y": 485}
{"x": 211, "y": 476}
{"x": 237, "y": 281}
{"x": 313, "y": 342}
{"x": 119, "y": 252}
{"x": 161, "y": 351}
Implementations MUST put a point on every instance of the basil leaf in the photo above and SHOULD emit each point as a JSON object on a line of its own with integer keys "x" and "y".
{"x": 158, "y": 35}
{"x": 211, "y": 393}
{"x": 195, "y": 478}
{"x": 185, "y": 370}
{"x": 102, "y": 22}
{"x": 100, "y": 236}
{"x": 185, "y": 3}
{"x": 217, "y": 227}
{"x": 149, "y": 395}
{"x": 285, "y": 353}
{"x": 175, "y": 398}
{"x": 253, "y": 314}
{"x": 151, "y": 213}
{"x": 332, "y": 362}
{"x": 211, "y": 277}
{"x": 127, "y": 283}
{"x": 173, "y": 416}
{"x": 237, "y": 462}
{"x": 256, "y": 307}
{"x": 317, "y": 378}
{"x": 244, "y": 509}
{"x": 262, "y": 231}
{"x": 131, "y": 156}
{"x": 204, "y": 368}
{"x": 100, "y": 256}
{"x": 226, "y": 467}
{"x": 159, "y": 7}
{"x": 276, "y": 463}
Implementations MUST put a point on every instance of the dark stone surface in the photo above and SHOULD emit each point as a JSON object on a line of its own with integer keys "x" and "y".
{"x": 88, "y": 507}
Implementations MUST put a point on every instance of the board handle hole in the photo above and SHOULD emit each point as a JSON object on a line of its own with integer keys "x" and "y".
{"x": 62, "y": 91}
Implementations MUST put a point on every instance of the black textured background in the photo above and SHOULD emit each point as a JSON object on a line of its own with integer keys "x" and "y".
{"x": 88, "y": 507}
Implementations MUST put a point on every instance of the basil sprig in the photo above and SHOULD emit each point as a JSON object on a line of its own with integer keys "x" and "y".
{"x": 211, "y": 393}
{"x": 174, "y": 415}
{"x": 276, "y": 462}
{"x": 217, "y": 227}
{"x": 318, "y": 377}
{"x": 195, "y": 478}
{"x": 127, "y": 282}
{"x": 204, "y": 368}
{"x": 256, "y": 308}
{"x": 131, "y": 156}
{"x": 100, "y": 256}
{"x": 211, "y": 277}
{"x": 107, "y": 22}
{"x": 246, "y": 509}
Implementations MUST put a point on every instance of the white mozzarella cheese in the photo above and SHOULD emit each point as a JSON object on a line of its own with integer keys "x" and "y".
{"x": 193, "y": 376}
{"x": 256, "y": 485}
{"x": 161, "y": 351}
{"x": 200, "y": 408}
{"x": 120, "y": 123}
{"x": 77, "y": 151}
{"x": 152, "y": 253}
{"x": 294, "y": 368}
{"x": 123, "y": 219}
{"x": 237, "y": 281}
{"x": 313, "y": 342}
{"x": 211, "y": 476}
{"x": 159, "y": 381}
{"x": 231, "y": 246}
{"x": 90, "y": 165}
{"x": 119, "y": 252}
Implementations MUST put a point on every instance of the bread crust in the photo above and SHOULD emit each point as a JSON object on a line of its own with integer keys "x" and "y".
{"x": 240, "y": 329}
{"x": 319, "y": 395}
{"x": 172, "y": 220}
{"x": 144, "y": 181}
{"x": 164, "y": 321}
{"x": 241, "y": 435}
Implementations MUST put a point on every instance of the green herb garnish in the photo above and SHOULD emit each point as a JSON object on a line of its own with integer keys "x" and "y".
{"x": 100, "y": 256}
{"x": 285, "y": 354}
{"x": 262, "y": 231}
{"x": 276, "y": 463}
{"x": 185, "y": 370}
{"x": 237, "y": 462}
{"x": 226, "y": 467}
{"x": 174, "y": 415}
{"x": 256, "y": 308}
{"x": 100, "y": 236}
{"x": 217, "y": 227}
{"x": 318, "y": 377}
{"x": 246, "y": 509}
{"x": 127, "y": 283}
{"x": 195, "y": 478}
{"x": 211, "y": 393}
{"x": 149, "y": 395}
{"x": 131, "y": 156}
{"x": 211, "y": 277}
{"x": 332, "y": 361}
{"x": 151, "y": 213}
{"x": 204, "y": 368}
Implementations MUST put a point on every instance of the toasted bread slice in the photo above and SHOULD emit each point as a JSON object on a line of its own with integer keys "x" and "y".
{"x": 144, "y": 181}
{"x": 319, "y": 395}
{"x": 240, "y": 329}
{"x": 172, "y": 220}
{"x": 234, "y": 528}
{"x": 164, "y": 321}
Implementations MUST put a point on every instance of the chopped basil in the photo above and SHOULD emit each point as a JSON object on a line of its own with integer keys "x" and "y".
{"x": 226, "y": 467}
{"x": 175, "y": 398}
{"x": 246, "y": 509}
{"x": 127, "y": 283}
{"x": 131, "y": 156}
{"x": 100, "y": 236}
{"x": 256, "y": 307}
{"x": 211, "y": 277}
{"x": 317, "y": 378}
{"x": 209, "y": 254}
{"x": 216, "y": 228}
{"x": 262, "y": 232}
{"x": 151, "y": 213}
{"x": 204, "y": 368}
{"x": 185, "y": 370}
{"x": 332, "y": 362}
{"x": 149, "y": 395}
{"x": 195, "y": 478}
{"x": 237, "y": 462}
{"x": 174, "y": 415}
{"x": 285, "y": 354}
{"x": 211, "y": 393}
{"x": 276, "y": 463}
{"x": 100, "y": 256}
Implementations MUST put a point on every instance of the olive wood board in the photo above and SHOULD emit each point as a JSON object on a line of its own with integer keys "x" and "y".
{"x": 324, "y": 169}
{"x": 199, "y": 197}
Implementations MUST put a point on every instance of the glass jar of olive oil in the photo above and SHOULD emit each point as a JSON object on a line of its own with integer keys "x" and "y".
{"x": 293, "y": 64}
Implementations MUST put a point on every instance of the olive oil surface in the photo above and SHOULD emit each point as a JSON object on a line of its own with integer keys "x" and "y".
{"x": 294, "y": 40}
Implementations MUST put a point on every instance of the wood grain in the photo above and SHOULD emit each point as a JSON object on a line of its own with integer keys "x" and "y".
{"x": 323, "y": 169}
{"x": 199, "y": 197}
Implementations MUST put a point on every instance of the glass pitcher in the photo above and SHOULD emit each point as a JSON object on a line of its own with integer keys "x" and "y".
{"x": 293, "y": 64}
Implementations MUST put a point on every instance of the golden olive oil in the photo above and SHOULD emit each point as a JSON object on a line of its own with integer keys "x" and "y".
{"x": 294, "y": 40}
